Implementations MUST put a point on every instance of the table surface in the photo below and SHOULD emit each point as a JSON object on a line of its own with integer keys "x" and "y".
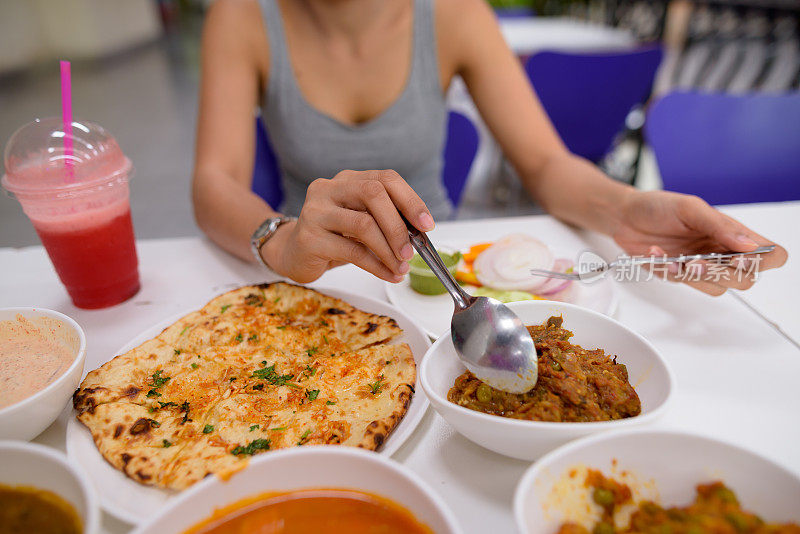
{"x": 736, "y": 375}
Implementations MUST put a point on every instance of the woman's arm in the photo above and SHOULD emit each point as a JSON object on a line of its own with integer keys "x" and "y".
{"x": 224, "y": 206}
{"x": 351, "y": 218}
{"x": 566, "y": 185}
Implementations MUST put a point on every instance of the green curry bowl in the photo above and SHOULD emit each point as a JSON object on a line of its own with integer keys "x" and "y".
{"x": 422, "y": 278}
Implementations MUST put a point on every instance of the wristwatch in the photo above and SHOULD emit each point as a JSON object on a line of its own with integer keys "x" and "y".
{"x": 266, "y": 230}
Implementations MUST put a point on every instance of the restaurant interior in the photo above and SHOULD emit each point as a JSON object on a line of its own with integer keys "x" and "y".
{"x": 190, "y": 389}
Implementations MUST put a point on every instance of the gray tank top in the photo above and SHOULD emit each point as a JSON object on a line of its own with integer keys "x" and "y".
{"x": 407, "y": 137}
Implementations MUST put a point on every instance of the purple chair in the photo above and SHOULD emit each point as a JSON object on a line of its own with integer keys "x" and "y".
{"x": 588, "y": 96}
{"x": 460, "y": 148}
{"x": 266, "y": 174}
{"x": 459, "y": 153}
{"x": 515, "y": 12}
{"x": 728, "y": 149}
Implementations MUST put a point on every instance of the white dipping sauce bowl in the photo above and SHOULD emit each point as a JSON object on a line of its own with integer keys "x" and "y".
{"x": 27, "y": 418}
{"x": 40, "y": 467}
{"x": 527, "y": 440}
{"x": 324, "y": 466}
{"x": 665, "y": 463}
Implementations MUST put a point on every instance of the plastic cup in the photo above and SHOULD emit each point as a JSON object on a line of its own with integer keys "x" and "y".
{"x": 78, "y": 201}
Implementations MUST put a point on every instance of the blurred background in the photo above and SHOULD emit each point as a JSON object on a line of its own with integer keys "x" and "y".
{"x": 660, "y": 93}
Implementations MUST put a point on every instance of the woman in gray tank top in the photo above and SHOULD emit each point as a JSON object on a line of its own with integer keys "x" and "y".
{"x": 408, "y": 136}
{"x": 352, "y": 92}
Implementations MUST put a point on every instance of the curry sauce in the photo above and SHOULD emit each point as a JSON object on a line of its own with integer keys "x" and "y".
{"x": 312, "y": 510}
{"x": 714, "y": 510}
{"x": 574, "y": 384}
{"x": 32, "y": 357}
{"x": 27, "y": 510}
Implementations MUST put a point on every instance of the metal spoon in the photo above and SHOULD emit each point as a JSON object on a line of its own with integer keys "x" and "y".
{"x": 489, "y": 338}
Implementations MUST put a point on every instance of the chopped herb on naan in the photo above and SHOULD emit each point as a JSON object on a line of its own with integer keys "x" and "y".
{"x": 256, "y": 369}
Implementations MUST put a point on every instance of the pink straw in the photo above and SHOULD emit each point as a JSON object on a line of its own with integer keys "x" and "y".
{"x": 66, "y": 115}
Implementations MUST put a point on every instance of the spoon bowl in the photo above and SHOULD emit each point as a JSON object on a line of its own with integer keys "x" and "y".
{"x": 494, "y": 345}
{"x": 490, "y": 339}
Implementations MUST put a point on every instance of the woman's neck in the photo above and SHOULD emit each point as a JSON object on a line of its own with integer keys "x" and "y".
{"x": 352, "y": 20}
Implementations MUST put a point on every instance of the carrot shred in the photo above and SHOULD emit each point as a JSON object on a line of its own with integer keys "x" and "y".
{"x": 474, "y": 251}
{"x": 467, "y": 277}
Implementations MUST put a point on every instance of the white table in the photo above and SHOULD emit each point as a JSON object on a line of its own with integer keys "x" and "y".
{"x": 777, "y": 294}
{"x": 527, "y": 35}
{"x": 736, "y": 377}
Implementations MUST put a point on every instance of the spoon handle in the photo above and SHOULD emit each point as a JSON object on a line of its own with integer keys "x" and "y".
{"x": 428, "y": 253}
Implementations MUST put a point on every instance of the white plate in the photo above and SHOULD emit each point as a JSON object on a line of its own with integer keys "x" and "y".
{"x": 661, "y": 465}
{"x": 134, "y": 503}
{"x": 434, "y": 312}
{"x": 308, "y": 467}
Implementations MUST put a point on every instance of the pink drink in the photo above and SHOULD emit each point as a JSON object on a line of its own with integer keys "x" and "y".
{"x": 83, "y": 219}
{"x": 94, "y": 255}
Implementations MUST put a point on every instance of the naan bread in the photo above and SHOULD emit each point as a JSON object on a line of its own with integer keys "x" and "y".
{"x": 258, "y": 368}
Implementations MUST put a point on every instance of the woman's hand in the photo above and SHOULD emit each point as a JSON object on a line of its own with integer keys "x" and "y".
{"x": 663, "y": 223}
{"x": 352, "y": 218}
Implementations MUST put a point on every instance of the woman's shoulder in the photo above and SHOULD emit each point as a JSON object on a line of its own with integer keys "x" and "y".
{"x": 452, "y": 14}
{"x": 460, "y": 27}
{"x": 238, "y": 26}
{"x": 234, "y": 12}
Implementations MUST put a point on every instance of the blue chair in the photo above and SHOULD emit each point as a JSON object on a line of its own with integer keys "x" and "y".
{"x": 516, "y": 12}
{"x": 266, "y": 173}
{"x": 460, "y": 148}
{"x": 728, "y": 149}
{"x": 459, "y": 153}
{"x": 588, "y": 96}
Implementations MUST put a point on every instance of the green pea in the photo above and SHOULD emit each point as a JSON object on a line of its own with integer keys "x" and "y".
{"x": 738, "y": 522}
{"x": 484, "y": 393}
{"x": 725, "y": 495}
{"x": 604, "y": 497}
{"x": 603, "y": 528}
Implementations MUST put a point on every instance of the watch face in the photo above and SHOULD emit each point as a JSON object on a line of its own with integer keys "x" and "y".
{"x": 264, "y": 229}
{"x": 268, "y": 227}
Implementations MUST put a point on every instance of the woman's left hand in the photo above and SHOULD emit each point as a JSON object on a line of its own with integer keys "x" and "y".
{"x": 663, "y": 223}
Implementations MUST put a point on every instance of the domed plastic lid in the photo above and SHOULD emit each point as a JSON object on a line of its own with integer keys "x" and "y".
{"x": 38, "y": 158}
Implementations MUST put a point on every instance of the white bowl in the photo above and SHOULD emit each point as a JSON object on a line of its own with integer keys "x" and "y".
{"x": 662, "y": 465}
{"x": 307, "y": 467}
{"x": 27, "y": 418}
{"x": 32, "y": 465}
{"x": 528, "y": 440}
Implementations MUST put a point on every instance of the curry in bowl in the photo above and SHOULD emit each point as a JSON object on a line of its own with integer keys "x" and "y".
{"x": 35, "y": 352}
{"x": 32, "y": 510}
{"x": 313, "y": 510}
{"x": 715, "y": 509}
{"x": 574, "y": 384}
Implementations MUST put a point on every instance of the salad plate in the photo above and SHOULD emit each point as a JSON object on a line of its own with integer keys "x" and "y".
{"x": 433, "y": 312}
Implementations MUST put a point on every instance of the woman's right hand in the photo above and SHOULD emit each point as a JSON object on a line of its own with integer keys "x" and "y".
{"x": 352, "y": 218}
